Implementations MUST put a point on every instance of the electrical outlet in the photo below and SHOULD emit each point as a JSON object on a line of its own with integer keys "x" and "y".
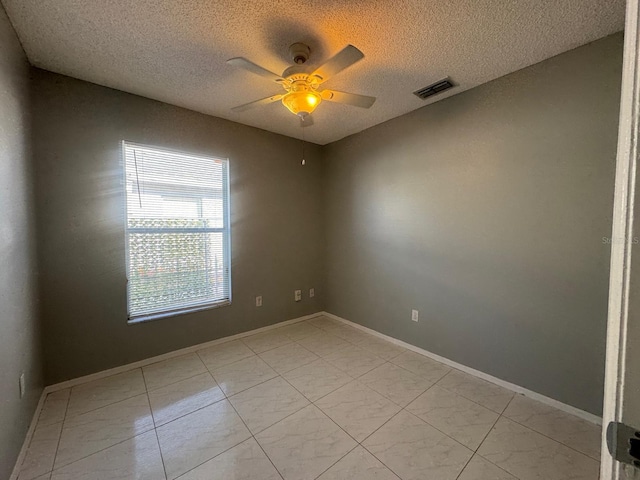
{"x": 22, "y": 385}
{"x": 312, "y": 292}
{"x": 414, "y": 315}
{"x": 297, "y": 295}
{"x": 259, "y": 301}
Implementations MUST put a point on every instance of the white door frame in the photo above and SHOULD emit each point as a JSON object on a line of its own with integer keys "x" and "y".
{"x": 622, "y": 241}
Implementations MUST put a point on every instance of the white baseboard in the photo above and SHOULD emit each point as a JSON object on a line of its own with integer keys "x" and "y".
{"x": 133, "y": 366}
{"x": 477, "y": 373}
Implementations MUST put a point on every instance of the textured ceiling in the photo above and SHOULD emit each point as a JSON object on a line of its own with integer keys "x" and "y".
{"x": 175, "y": 50}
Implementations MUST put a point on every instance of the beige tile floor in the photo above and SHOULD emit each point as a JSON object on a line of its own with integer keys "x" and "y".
{"x": 312, "y": 400}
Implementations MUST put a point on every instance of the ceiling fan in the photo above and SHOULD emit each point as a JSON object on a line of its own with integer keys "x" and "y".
{"x": 301, "y": 94}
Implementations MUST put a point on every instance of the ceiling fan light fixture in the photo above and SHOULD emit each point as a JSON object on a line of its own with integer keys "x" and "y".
{"x": 301, "y": 102}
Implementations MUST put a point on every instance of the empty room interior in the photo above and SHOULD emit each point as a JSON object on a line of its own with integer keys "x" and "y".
{"x": 296, "y": 241}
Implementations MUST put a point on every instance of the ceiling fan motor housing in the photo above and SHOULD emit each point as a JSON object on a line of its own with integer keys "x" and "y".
{"x": 299, "y": 53}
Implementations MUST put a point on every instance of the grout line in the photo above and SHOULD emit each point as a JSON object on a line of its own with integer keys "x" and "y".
{"x": 194, "y": 411}
{"x": 173, "y": 382}
{"x": 106, "y": 404}
{"x": 230, "y": 363}
{"x": 103, "y": 449}
{"x": 283, "y": 418}
{"x": 373, "y": 433}
{"x": 155, "y": 426}
{"x": 465, "y": 466}
{"x": 254, "y": 437}
{"x": 268, "y": 457}
{"x": 176, "y": 382}
{"x": 548, "y": 437}
{"x": 64, "y": 420}
{"x": 323, "y": 413}
{"x": 140, "y": 433}
{"x": 513, "y": 394}
{"x": 164, "y": 467}
{"x": 209, "y": 459}
{"x": 334, "y": 463}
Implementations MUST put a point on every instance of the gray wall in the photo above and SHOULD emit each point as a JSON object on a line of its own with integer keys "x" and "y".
{"x": 275, "y": 213}
{"x": 486, "y": 212}
{"x": 19, "y": 332}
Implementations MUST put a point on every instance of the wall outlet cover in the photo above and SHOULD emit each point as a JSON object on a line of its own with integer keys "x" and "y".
{"x": 312, "y": 292}
{"x": 259, "y": 301}
{"x": 297, "y": 295}
{"x": 414, "y": 315}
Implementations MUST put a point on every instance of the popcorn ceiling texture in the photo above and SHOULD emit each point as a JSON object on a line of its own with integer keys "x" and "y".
{"x": 175, "y": 51}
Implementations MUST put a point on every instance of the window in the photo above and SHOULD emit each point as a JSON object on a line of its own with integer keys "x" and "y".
{"x": 177, "y": 232}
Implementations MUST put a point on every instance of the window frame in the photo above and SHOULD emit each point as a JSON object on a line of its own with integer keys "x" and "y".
{"x": 225, "y": 230}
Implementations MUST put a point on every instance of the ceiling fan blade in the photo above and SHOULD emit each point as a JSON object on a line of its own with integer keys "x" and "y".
{"x": 242, "y": 62}
{"x": 263, "y": 101}
{"x": 341, "y": 60}
{"x": 353, "y": 99}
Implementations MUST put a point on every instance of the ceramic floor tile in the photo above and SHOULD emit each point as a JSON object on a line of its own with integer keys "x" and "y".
{"x": 193, "y": 439}
{"x": 325, "y": 323}
{"x": 477, "y": 390}
{"x": 480, "y": 469}
{"x": 181, "y": 398}
{"x": 461, "y": 419}
{"x": 90, "y": 432}
{"x": 422, "y": 366}
{"x": 354, "y": 360}
{"x": 317, "y": 379}
{"x": 350, "y": 334}
{"x": 42, "y": 451}
{"x": 54, "y": 407}
{"x": 305, "y": 444}
{"x": 357, "y": 409}
{"x": 324, "y": 344}
{"x": 224, "y": 353}
{"x": 415, "y": 450}
{"x": 288, "y": 357}
{"x": 381, "y": 348}
{"x": 267, "y": 403}
{"x": 529, "y": 455}
{"x": 137, "y": 458}
{"x": 246, "y": 461}
{"x": 99, "y": 393}
{"x": 358, "y": 465}
{"x": 243, "y": 374}
{"x": 397, "y": 384}
{"x": 299, "y": 330}
{"x": 173, "y": 370}
{"x": 580, "y": 434}
{"x": 266, "y": 341}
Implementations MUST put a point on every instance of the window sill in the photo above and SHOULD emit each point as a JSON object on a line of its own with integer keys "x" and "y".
{"x": 175, "y": 313}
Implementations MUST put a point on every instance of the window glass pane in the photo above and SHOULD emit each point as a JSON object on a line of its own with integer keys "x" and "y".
{"x": 177, "y": 230}
{"x": 167, "y": 270}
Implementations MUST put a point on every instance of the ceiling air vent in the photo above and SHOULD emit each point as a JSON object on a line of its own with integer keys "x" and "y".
{"x": 434, "y": 88}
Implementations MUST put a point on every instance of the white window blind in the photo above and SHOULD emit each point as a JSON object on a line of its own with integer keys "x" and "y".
{"x": 178, "y": 242}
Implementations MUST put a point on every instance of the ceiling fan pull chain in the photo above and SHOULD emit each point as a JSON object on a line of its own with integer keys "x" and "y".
{"x": 302, "y": 126}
